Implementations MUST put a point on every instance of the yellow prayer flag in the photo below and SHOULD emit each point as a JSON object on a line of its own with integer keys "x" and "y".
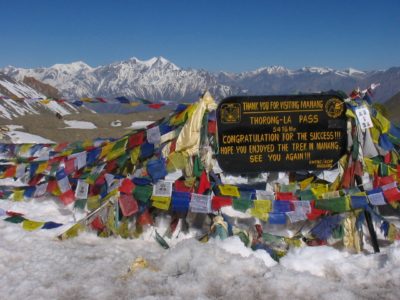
{"x": 176, "y": 161}
{"x": 260, "y": 215}
{"x": 25, "y": 148}
{"x": 350, "y": 114}
{"x": 29, "y": 225}
{"x": 381, "y": 122}
{"x": 42, "y": 167}
{"x": 135, "y": 154}
{"x": 72, "y": 232}
{"x": 134, "y": 104}
{"x": 375, "y": 134}
{"x": 263, "y": 206}
{"x": 371, "y": 166}
{"x": 319, "y": 189}
{"x": 229, "y": 190}
{"x": 161, "y": 202}
{"x": 45, "y": 101}
{"x": 93, "y": 202}
{"x": 106, "y": 149}
{"x": 18, "y": 195}
{"x": 305, "y": 183}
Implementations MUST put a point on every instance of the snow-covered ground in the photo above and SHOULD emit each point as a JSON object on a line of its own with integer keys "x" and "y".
{"x": 20, "y": 137}
{"x": 35, "y": 265}
{"x": 79, "y": 124}
{"x": 139, "y": 124}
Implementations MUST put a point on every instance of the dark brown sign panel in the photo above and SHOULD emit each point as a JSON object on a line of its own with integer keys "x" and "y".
{"x": 281, "y": 133}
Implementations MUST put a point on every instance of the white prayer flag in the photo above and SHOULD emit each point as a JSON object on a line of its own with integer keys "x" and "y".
{"x": 377, "y": 199}
{"x": 296, "y": 216}
{"x": 264, "y": 195}
{"x": 40, "y": 190}
{"x": 63, "y": 184}
{"x": 302, "y": 206}
{"x": 200, "y": 203}
{"x": 82, "y": 189}
{"x": 364, "y": 118}
{"x": 153, "y": 135}
{"x": 162, "y": 188}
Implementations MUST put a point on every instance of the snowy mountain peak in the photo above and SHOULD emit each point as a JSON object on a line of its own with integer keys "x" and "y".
{"x": 319, "y": 70}
{"x": 72, "y": 67}
{"x": 154, "y": 62}
{"x": 272, "y": 70}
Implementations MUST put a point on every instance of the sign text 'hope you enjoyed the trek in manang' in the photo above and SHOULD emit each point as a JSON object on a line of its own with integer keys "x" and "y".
{"x": 281, "y": 133}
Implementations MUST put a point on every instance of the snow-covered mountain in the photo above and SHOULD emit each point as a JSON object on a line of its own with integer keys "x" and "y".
{"x": 12, "y": 88}
{"x": 160, "y": 79}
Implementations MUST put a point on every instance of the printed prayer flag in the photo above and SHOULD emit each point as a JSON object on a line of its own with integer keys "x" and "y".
{"x": 162, "y": 188}
{"x": 81, "y": 190}
{"x": 229, "y": 190}
{"x": 126, "y": 186}
{"x": 128, "y": 205}
{"x": 296, "y": 216}
{"x": 67, "y": 197}
{"x": 200, "y": 203}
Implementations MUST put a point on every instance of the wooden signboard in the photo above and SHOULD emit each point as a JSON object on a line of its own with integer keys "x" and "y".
{"x": 281, "y": 133}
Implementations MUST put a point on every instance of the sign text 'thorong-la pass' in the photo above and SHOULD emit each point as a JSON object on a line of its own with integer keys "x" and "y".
{"x": 281, "y": 133}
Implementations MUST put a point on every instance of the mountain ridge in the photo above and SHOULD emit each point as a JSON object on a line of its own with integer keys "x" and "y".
{"x": 159, "y": 79}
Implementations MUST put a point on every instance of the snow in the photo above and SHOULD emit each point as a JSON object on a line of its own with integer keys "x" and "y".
{"x": 20, "y": 90}
{"x": 19, "y": 137}
{"x": 139, "y": 124}
{"x": 57, "y": 108}
{"x": 79, "y": 124}
{"x": 35, "y": 265}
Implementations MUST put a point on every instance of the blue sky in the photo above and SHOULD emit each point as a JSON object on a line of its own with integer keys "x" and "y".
{"x": 213, "y": 35}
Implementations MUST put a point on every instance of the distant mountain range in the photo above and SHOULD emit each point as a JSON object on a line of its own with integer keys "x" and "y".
{"x": 160, "y": 79}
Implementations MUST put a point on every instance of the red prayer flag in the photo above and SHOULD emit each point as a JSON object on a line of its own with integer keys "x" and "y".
{"x": 10, "y": 172}
{"x": 128, "y": 205}
{"x": 13, "y": 213}
{"x": 126, "y": 186}
{"x": 69, "y": 166}
{"x": 145, "y": 218}
{"x": 67, "y": 197}
{"x": 285, "y": 196}
{"x": 219, "y": 201}
{"x": 212, "y": 127}
{"x": 136, "y": 139}
{"x": 180, "y": 186}
{"x": 204, "y": 183}
{"x": 156, "y": 105}
{"x": 392, "y": 195}
{"x": 97, "y": 224}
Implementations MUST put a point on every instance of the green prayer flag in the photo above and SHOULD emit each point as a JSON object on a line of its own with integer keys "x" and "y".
{"x": 338, "y": 204}
{"x": 80, "y": 203}
{"x": 161, "y": 241}
{"x": 241, "y": 204}
{"x": 15, "y": 219}
{"x": 143, "y": 192}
